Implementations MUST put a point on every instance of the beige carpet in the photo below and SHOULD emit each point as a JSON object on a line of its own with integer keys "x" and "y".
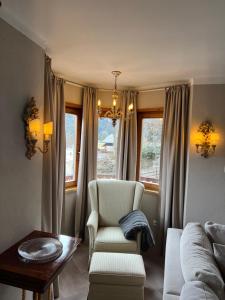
{"x": 74, "y": 278}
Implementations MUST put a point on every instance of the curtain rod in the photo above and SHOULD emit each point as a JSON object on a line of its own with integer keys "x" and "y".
{"x": 75, "y": 83}
{"x": 140, "y": 91}
{"x": 153, "y": 89}
{"x": 84, "y": 86}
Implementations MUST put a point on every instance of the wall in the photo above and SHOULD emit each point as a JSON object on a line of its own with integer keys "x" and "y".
{"x": 21, "y": 76}
{"x": 206, "y": 178}
{"x": 151, "y": 201}
{"x": 73, "y": 94}
{"x": 150, "y": 99}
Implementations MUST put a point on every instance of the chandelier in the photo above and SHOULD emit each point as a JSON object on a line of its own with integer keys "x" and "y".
{"x": 115, "y": 112}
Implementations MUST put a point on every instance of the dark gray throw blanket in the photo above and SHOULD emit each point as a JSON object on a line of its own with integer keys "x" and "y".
{"x": 134, "y": 222}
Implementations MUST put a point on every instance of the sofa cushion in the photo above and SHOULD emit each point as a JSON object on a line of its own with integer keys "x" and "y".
{"x": 197, "y": 290}
{"x": 215, "y": 232}
{"x": 117, "y": 268}
{"x": 219, "y": 254}
{"x": 173, "y": 278}
{"x": 197, "y": 261}
{"x": 111, "y": 239}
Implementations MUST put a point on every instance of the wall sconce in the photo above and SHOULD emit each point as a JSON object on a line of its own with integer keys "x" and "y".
{"x": 33, "y": 128}
{"x": 206, "y": 139}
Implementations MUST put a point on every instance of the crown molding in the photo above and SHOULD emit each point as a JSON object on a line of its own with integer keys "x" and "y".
{"x": 12, "y": 20}
{"x": 163, "y": 85}
{"x": 208, "y": 80}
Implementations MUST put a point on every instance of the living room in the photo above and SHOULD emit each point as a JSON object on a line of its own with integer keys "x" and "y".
{"x": 110, "y": 109}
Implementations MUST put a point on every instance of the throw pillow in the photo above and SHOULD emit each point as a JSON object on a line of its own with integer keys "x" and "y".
{"x": 197, "y": 260}
{"x": 197, "y": 290}
{"x": 219, "y": 254}
{"x": 216, "y": 232}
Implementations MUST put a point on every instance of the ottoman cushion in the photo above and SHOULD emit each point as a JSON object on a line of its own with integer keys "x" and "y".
{"x": 117, "y": 268}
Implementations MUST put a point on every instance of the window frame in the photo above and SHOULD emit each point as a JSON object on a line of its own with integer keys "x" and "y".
{"x": 144, "y": 114}
{"x": 75, "y": 110}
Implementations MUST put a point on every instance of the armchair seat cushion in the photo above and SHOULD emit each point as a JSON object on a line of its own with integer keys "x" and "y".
{"x": 111, "y": 239}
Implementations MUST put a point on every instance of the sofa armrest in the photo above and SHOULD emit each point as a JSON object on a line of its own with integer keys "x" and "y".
{"x": 173, "y": 276}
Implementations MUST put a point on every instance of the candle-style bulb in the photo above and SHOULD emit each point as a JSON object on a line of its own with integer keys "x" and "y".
{"x": 114, "y": 102}
{"x": 99, "y": 102}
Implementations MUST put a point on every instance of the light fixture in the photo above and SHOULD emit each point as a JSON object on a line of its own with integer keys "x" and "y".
{"x": 33, "y": 128}
{"x": 206, "y": 139}
{"x": 115, "y": 112}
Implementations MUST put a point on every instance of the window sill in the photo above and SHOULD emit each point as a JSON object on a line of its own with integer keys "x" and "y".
{"x": 151, "y": 187}
{"x": 71, "y": 189}
{"x": 149, "y": 191}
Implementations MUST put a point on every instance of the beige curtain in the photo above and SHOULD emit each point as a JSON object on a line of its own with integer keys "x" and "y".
{"x": 174, "y": 156}
{"x": 88, "y": 159}
{"x": 127, "y": 139}
{"x": 53, "y": 191}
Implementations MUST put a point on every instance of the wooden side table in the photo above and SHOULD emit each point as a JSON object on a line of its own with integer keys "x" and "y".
{"x": 35, "y": 277}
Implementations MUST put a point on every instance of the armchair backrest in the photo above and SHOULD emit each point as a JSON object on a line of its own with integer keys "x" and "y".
{"x": 113, "y": 199}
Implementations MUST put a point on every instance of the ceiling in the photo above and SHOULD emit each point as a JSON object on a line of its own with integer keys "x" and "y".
{"x": 153, "y": 42}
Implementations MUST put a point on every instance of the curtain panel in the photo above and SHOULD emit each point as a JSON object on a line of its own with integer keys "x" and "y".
{"x": 53, "y": 187}
{"x": 127, "y": 138}
{"x": 174, "y": 156}
{"x": 88, "y": 159}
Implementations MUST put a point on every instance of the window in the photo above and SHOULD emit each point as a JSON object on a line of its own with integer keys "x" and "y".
{"x": 107, "y": 148}
{"x": 73, "y": 131}
{"x": 149, "y": 147}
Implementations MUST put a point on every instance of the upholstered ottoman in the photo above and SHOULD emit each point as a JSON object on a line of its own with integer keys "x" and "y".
{"x": 116, "y": 276}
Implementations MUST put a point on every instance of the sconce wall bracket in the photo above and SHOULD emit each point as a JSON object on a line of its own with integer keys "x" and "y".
{"x": 31, "y": 112}
{"x": 206, "y": 147}
{"x": 33, "y": 128}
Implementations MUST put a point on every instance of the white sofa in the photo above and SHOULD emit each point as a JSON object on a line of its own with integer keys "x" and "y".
{"x": 191, "y": 270}
{"x": 173, "y": 277}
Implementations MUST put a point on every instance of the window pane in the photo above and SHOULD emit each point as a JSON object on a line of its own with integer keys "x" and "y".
{"x": 71, "y": 141}
{"x": 150, "y": 149}
{"x": 107, "y": 148}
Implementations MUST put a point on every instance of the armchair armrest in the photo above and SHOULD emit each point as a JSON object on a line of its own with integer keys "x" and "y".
{"x": 139, "y": 242}
{"x": 92, "y": 225}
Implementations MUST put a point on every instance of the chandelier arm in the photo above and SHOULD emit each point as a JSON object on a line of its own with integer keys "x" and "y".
{"x": 108, "y": 114}
{"x": 115, "y": 112}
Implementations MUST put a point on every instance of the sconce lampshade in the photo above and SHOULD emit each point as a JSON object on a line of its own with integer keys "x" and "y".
{"x": 214, "y": 138}
{"x": 34, "y": 126}
{"x": 48, "y": 130}
{"x": 198, "y": 138}
{"x": 131, "y": 107}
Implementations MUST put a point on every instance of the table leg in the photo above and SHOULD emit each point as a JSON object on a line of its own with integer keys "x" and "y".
{"x": 23, "y": 294}
{"x": 49, "y": 293}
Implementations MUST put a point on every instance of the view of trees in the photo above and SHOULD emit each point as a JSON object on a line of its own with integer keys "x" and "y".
{"x": 107, "y": 148}
{"x": 71, "y": 130}
{"x": 150, "y": 149}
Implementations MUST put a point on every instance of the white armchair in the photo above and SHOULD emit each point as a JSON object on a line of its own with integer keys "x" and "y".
{"x": 111, "y": 200}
